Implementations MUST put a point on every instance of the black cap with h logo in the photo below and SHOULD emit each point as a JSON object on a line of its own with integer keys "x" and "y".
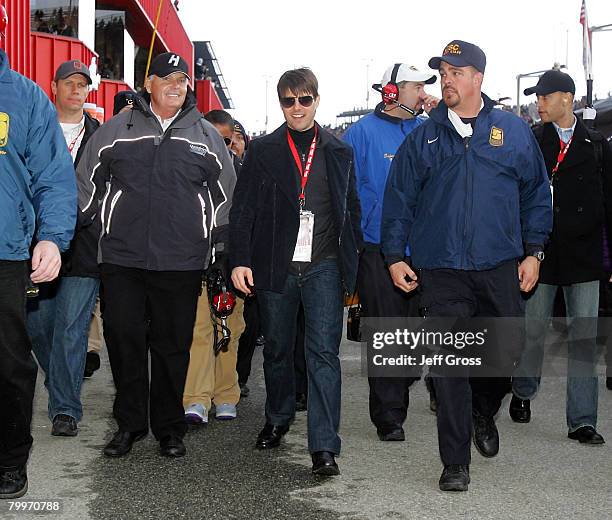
{"x": 168, "y": 63}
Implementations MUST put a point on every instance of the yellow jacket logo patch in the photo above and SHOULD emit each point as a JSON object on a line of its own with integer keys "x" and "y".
{"x": 4, "y": 128}
{"x": 496, "y": 138}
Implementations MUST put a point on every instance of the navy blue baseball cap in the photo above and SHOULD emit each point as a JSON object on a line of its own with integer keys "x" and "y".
{"x": 552, "y": 81}
{"x": 461, "y": 54}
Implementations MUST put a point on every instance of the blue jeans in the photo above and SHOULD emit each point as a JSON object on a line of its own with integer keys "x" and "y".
{"x": 320, "y": 291}
{"x": 58, "y": 324}
{"x": 582, "y": 303}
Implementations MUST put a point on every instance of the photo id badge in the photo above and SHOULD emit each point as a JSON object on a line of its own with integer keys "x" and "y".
{"x": 303, "y": 247}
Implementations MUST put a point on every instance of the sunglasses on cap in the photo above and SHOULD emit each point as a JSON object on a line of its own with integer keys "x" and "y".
{"x": 288, "y": 102}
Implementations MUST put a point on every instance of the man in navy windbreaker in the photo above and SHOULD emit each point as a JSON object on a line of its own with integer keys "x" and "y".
{"x": 375, "y": 139}
{"x": 468, "y": 192}
{"x": 37, "y": 185}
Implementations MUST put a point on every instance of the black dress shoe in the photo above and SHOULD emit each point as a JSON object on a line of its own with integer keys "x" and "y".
{"x": 455, "y": 477}
{"x": 13, "y": 482}
{"x": 324, "y": 463}
{"x": 301, "y": 402}
{"x": 121, "y": 443}
{"x": 520, "y": 410}
{"x": 486, "y": 436}
{"x": 92, "y": 363}
{"x": 172, "y": 446}
{"x": 391, "y": 433}
{"x": 586, "y": 435}
{"x": 270, "y": 436}
{"x": 64, "y": 426}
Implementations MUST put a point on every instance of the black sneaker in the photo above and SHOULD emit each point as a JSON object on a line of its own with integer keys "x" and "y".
{"x": 64, "y": 426}
{"x": 92, "y": 363}
{"x": 455, "y": 477}
{"x": 13, "y": 482}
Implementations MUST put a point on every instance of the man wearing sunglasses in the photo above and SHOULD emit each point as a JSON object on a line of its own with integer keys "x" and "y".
{"x": 375, "y": 139}
{"x": 295, "y": 236}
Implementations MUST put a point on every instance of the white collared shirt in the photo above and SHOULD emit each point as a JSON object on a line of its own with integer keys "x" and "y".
{"x": 165, "y": 123}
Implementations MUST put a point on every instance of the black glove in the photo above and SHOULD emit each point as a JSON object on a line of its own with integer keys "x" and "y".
{"x": 222, "y": 264}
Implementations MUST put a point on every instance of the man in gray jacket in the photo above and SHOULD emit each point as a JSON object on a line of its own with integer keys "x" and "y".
{"x": 160, "y": 179}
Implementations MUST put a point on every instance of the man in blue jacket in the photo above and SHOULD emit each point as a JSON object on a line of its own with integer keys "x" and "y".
{"x": 375, "y": 139}
{"x": 468, "y": 193}
{"x": 37, "y": 185}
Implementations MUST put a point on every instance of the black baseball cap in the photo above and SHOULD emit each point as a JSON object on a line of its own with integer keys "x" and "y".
{"x": 168, "y": 63}
{"x": 552, "y": 81}
{"x": 71, "y": 67}
{"x": 122, "y": 99}
{"x": 461, "y": 54}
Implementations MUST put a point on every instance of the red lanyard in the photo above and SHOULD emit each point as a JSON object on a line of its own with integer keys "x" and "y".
{"x": 73, "y": 143}
{"x": 305, "y": 171}
{"x": 562, "y": 153}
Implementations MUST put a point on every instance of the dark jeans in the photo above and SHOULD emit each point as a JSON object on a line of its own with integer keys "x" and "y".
{"x": 581, "y": 302}
{"x": 320, "y": 292}
{"x": 169, "y": 300}
{"x": 17, "y": 367}
{"x": 299, "y": 357}
{"x": 468, "y": 294}
{"x": 379, "y": 298}
{"x": 58, "y": 325}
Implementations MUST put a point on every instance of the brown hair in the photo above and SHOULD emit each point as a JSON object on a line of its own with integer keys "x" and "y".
{"x": 298, "y": 81}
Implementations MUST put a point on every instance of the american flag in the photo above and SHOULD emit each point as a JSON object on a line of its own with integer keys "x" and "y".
{"x": 586, "y": 41}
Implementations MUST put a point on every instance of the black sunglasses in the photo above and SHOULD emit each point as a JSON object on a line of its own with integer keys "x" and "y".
{"x": 227, "y": 140}
{"x": 288, "y": 102}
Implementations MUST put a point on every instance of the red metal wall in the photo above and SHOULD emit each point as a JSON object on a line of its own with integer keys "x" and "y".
{"x": 106, "y": 93}
{"x": 47, "y": 52}
{"x": 207, "y": 96}
{"x": 170, "y": 29}
{"x": 37, "y": 55}
{"x": 17, "y": 44}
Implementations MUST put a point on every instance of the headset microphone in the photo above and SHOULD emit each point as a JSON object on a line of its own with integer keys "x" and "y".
{"x": 392, "y": 100}
{"x": 390, "y": 92}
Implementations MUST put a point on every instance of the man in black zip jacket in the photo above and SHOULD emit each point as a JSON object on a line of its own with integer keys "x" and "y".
{"x": 160, "y": 179}
{"x": 295, "y": 236}
{"x": 579, "y": 167}
{"x": 58, "y": 319}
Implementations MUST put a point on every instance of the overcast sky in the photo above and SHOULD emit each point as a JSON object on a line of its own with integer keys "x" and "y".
{"x": 348, "y": 45}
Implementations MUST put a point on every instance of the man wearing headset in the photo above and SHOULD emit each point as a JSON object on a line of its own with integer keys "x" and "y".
{"x": 375, "y": 139}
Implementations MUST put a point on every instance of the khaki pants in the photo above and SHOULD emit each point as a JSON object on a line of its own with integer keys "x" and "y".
{"x": 96, "y": 337}
{"x": 213, "y": 378}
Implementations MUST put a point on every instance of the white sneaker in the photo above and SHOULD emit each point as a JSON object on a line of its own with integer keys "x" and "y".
{"x": 225, "y": 412}
{"x": 196, "y": 414}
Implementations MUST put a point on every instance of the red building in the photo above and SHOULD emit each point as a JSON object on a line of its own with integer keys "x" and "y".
{"x": 117, "y": 33}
